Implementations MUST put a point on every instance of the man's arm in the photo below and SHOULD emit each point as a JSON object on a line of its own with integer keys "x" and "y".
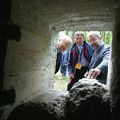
{"x": 102, "y": 68}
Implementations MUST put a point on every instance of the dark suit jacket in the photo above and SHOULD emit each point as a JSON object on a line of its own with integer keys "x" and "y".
{"x": 74, "y": 54}
{"x": 58, "y": 62}
{"x": 100, "y": 60}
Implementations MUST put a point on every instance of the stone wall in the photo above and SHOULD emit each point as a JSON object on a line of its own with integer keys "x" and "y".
{"x": 30, "y": 62}
{"x": 115, "y": 73}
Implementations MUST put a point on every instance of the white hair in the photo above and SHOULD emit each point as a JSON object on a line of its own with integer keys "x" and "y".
{"x": 64, "y": 38}
{"x": 79, "y": 33}
{"x": 96, "y": 33}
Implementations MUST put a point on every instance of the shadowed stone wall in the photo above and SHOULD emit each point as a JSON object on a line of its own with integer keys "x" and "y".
{"x": 115, "y": 72}
{"x": 30, "y": 62}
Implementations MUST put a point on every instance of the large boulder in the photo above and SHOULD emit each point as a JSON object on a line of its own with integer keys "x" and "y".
{"x": 88, "y": 100}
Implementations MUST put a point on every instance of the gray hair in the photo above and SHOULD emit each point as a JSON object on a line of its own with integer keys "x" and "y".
{"x": 79, "y": 33}
{"x": 66, "y": 39}
{"x": 96, "y": 33}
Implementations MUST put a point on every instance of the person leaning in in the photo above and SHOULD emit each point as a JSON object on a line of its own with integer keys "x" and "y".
{"x": 98, "y": 67}
{"x": 63, "y": 43}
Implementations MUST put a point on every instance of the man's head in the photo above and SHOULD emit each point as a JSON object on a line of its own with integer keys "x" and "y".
{"x": 79, "y": 37}
{"x": 94, "y": 38}
{"x": 64, "y": 42}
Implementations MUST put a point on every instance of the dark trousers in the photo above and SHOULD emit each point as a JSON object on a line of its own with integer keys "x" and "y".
{"x": 79, "y": 74}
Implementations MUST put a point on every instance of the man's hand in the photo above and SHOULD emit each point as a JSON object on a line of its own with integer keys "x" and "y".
{"x": 93, "y": 73}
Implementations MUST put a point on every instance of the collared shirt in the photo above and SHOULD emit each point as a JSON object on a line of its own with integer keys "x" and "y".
{"x": 81, "y": 59}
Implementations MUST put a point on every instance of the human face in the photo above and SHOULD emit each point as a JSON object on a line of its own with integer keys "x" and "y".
{"x": 63, "y": 45}
{"x": 94, "y": 41}
{"x": 79, "y": 39}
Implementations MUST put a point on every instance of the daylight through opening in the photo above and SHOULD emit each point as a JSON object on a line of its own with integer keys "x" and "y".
{"x": 62, "y": 76}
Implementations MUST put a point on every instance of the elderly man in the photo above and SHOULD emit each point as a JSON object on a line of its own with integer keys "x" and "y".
{"x": 98, "y": 66}
{"x": 63, "y": 43}
{"x": 80, "y": 57}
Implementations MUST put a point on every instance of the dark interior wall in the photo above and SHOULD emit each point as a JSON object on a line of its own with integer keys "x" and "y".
{"x": 115, "y": 73}
{"x": 3, "y": 43}
{"x": 5, "y": 11}
{"x": 8, "y": 30}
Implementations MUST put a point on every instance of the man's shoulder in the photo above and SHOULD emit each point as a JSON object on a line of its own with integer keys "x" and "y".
{"x": 106, "y": 46}
{"x": 105, "y": 49}
{"x": 73, "y": 46}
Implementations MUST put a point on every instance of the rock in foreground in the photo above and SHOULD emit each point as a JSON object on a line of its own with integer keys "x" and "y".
{"x": 88, "y": 100}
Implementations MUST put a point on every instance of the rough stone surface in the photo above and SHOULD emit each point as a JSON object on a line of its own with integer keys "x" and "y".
{"x": 88, "y": 100}
{"x": 115, "y": 71}
{"x": 47, "y": 106}
{"x": 30, "y": 111}
{"x": 31, "y": 60}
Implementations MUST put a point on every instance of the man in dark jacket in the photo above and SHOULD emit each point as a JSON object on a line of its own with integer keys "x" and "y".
{"x": 80, "y": 57}
{"x": 98, "y": 67}
{"x": 63, "y": 43}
